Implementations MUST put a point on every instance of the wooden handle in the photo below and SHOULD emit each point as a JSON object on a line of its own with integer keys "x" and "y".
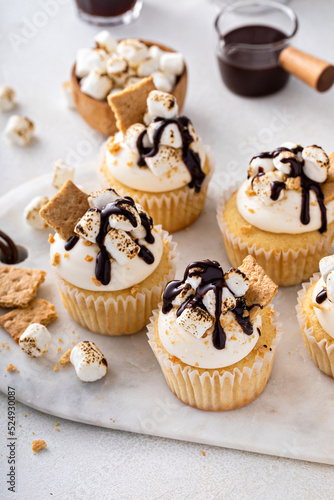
{"x": 315, "y": 72}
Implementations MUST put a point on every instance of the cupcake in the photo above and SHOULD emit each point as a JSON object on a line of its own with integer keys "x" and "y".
{"x": 215, "y": 337}
{"x": 111, "y": 262}
{"x": 283, "y": 214}
{"x": 162, "y": 163}
{"x": 315, "y": 312}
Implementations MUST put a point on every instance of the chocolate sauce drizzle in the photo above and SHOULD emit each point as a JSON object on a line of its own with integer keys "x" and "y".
{"x": 189, "y": 157}
{"x": 118, "y": 207}
{"x": 212, "y": 278}
{"x": 307, "y": 185}
{"x": 322, "y": 296}
{"x": 9, "y": 251}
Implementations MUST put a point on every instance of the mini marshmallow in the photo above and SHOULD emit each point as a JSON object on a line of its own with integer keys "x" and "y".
{"x": 138, "y": 233}
{"x": 62, "y": 173}
{"x": 164, "y": 160}
{"x": 96, "y": 85}
{"x": 147, "y": 67}
{"x": 132, "y": 80}
{"x": 19, "y": 130}
{"x": 284, "y": 167}
{"x": 195, "y": 320}
{"x": 88, "y": 361}
{"x": 194, "y": 281}
{"x": 35, "y": 340}
{"x": 237, "y": 282}
{"x": 147, "y": 118}
{"x": 104, "y": 40}
{"x": 209, "y": 302}
{"x": 291, "y": 146}
{"x": 260, "y": 165}
{"x": 121, "y": 246}
{"x": 132, "y": 134}
{"x": 155, "y": 52}
{"x": 172, "y": 62}
{"x": 163, "y": 81}
{"x": 7, "y": 98}
{"x": 326, "y": 266}
{"x": 330, "y": 286}
{"x": 90, "y": 60}
{"x": 170, "y": 136}
{"x": 89, "y": 225}
{"x": 162, "y": 105}
{"x": 228, "y": 300}
{"x": 316, "y": 163}
{"x": 262, "y": 186}
{"x": 120, "y": 221}
{"x": 31, "y": 212}
{"x": 133, "y": 50}
{"x": 68, "y": 94}
{"x": 118, "y": 70}
{"x": 186, "y": 292}
{"x": 99, "y": 199}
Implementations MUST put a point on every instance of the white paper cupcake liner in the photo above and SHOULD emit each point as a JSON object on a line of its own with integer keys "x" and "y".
{"x": 285, "y": 268}
{"x": 109, "y": 316}
{"x": 322, "y": 353}
{"x": 215, "y": 392}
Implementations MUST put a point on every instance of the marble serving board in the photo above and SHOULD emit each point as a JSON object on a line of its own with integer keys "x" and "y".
{"x": 292, "y": 418}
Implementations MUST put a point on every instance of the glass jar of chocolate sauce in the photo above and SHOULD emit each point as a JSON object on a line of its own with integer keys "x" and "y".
{"x": 109, "y": 12}
{"x": 251, "y": 35}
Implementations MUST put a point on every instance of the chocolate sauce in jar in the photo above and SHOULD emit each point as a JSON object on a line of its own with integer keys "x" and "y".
{"x": 105, "y": 8}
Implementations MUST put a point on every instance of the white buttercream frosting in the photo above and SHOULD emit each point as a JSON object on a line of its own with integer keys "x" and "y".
{"x": 324, "y": 313}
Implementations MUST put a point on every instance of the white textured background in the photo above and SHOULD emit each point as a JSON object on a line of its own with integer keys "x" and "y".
{"x": 83, "y": 462}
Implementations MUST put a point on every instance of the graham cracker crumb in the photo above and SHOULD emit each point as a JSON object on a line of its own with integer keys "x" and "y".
{"x": 95, "y": 281}
{"x": 18, "y": 286}
{"x": 55, "y": 259}
{"x": 114, "y": 147}
{"x": 129, "y": 163}
{"x": 65, "y": 359}
{"x": 66, "y": 255}
{"x": 261, "y": 288}
{"x": 11, "y": 368}
{"x": 38, "y": 444}
{"x": 51, "y": 239}
{"x": 89, "y": 258}
{"x": 203, "y": 453}
{"x": 87, "y": 243}
{"x": 59, "y": 349}
{"x": 55, "y": 368}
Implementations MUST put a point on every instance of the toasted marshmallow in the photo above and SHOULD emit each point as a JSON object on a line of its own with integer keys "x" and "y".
{"x": 147, "y": 67}
{"x": 121, "y": 246}
{"x": 99, "y": 199}
{"x": 62, "y": 173}
{"x": 186, "y": 292}
{"x": 162, "y": 105}
{"x": 228, "y": 300}
{"x": 88, "y": 361}
{"x": 316, "y": 163}
{"x": 164, "y": 160}
{"x": 209, "y": 301}
{"x": 163, "y": 81}
{"x": 194, "y": 281}
{"x": 68, "y": 94}
{"x": 19, "y": 130}
{"x": 139, "y": 233}
{"x": 195, "y": 320}
{"x": 170, "y": 136}
{"x": 104, "y": 40}
{"x": 89, "y": 225}
{"x": 7, "y": 98}
{"x": 292, "y": 146}
{"x": 284, "y": 167}
{"x": 237, "y": 282}
{"x": 172, "y": 62}
{"x": 260, "y": 165}
{"x": 96, "y": 85}
{"x": 147, "y": 118}
{"x": 262, "y": 186}
{"x": 90, "y": 60}
{"x": 132, "y": 134}
{"x": 330, "y": 286}
{"x": 120, "y": 221}
{"x": 133, "y": 50}
{"x": 31, "y": 212}
{"x": 326, "y": 266}
{"x": 118, "y": 69}
{"x": 35, "y": 340}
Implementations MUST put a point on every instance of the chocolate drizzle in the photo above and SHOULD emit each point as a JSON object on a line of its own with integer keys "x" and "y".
{"x": 8, "y": 249}
{"x": 322, "y": 296}
{"x": 212, "y": 278}
{"x": 190, "y": 158}
{"x": 71, "y": 242}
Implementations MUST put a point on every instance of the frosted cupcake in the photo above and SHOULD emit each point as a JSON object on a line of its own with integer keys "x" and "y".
{"x": 215, "y": 337}
{"x": 112, "y": 263}
{"x": 283, "y": 214}
{"x": 315, "y": 311}
{"x": 162, "y": 163}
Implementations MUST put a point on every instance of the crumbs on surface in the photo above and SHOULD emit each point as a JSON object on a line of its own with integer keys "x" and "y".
{"x": 51, "y": 239}
{"x": 89, "y": 258}
{"x": 38, "y": 444}
{"x": 65, "y": 359}
{"x": 56, "y": 259}
{"x": 55, "y": 368}
{"x": 203, "y": 453}
{"x": 11, "y": 368}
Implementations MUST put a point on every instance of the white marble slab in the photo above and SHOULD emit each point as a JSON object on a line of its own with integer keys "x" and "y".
{"x": 292, "y": 418}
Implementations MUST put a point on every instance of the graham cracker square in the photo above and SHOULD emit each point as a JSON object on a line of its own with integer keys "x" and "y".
{"x": 328, "y": 187}
{"x": 18, "y": 286}
{"x": 262, "y": 289}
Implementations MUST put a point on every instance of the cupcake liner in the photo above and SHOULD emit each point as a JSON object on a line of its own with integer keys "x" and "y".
{"x": 286, "y": 268}
{"x": 322, "y": 353}
{"x": 174, "y": 210}
{"x": 216, "y": 392}
{"x": 117, "y": 316}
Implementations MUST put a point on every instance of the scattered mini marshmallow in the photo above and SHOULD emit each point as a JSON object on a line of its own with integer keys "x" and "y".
{"x": 228, "y": 300}
{"x": 326, "y": 266}
{"x": 293, "y": 146}
{"x": 162, "y": 105}
{"x": 68, "y": 94}
{"x": 133, "y": 50}
{"x": 96, "y": 85}
{"x": 260, "y": 165}
{"x": 237, "y": 282}
{"x": 90, "y": 60}
{"x": 89, "y": 225}
{"x": 104, "y": 40}
{"x": 195, "y": 320}
{"x": 316, "y": 163}
{"x": 164, "y": 160}
{"x": 19, "y": 130}
{"x": 35, "y": 340}
{"x": 7, "y": 98}
{"x": 88, "y": 361}
{"x": 155, "y": 53}
{"x": 31, "y": 212}
{"x": 147, "y": 67}
{"x": 163, "y": 81}
{"x": 118, "y": 70}
{"x": 209, "y": 302}
{"x": 330, "y": 286}
{"x": 120, "y": 221}
{"x": 132, "y": 134}
{"x": 170, "y": 136}
{"x": 262, "y": 186}
{"x": 282, "y": 162}
{"x": 100, "y": 199}
{"x": 186, "y": 292}
{"x": 194, "y": 281}
{"x": 121, "y": 246}
{"x": 172, "y": 62}
{"x": 62, "y": 173}
{"x": 147, "y": 118}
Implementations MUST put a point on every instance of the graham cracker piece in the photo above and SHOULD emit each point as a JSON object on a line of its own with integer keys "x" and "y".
{"x": 129, "y": 106}
{"x": 261, "y": 288}
{"x": 328, "y": 187}
{"x": 65, "y": 209}
{"x": 18, "y": 286}
{"x": 38, "y": 311}
{"x": 38, "y": 444}
{"x": 65, "y": 359}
